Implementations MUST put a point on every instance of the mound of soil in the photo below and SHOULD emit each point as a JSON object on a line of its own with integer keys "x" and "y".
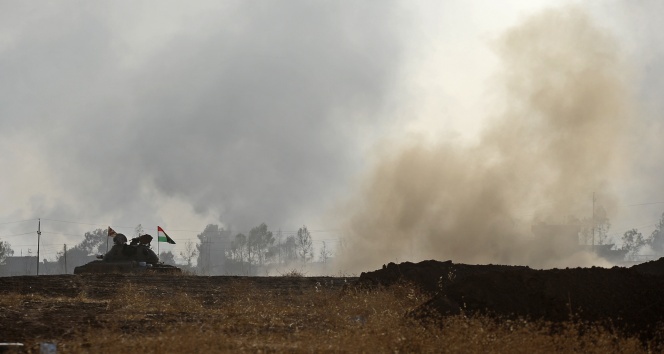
{"x": 653, "y": 267}
{"x": 631, "y": 299}
{"x": 430, "y": 275}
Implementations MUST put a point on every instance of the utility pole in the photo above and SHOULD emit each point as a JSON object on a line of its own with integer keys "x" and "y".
{"x": 38, "y": 239}
{"x": 65, "y": 255}
{"x": 593, "y": 222}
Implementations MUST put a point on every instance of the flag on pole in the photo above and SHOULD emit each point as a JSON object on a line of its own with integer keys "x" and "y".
{"x": 111, "y": 233}
{"x": 163, "y": 237}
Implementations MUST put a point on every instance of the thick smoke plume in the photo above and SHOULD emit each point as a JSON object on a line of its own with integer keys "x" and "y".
{"x": 241, "y": 112}
{"x": 555, "y": 141}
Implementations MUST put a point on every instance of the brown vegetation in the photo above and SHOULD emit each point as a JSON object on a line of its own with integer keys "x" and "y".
{"x": 180, "y": 314}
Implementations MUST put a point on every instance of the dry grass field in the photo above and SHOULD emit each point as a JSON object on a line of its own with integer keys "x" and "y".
{"x": 186, "y": 314}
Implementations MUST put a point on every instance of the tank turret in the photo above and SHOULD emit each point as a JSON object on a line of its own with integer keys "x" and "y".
{"x": 135, "y": 257}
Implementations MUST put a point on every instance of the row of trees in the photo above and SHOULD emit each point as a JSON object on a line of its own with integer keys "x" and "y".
{"x": 596, "y": 231}
{"x": 262, "y": 246}
{"x": 216, "y": 252}
{"x": 219, "y": 252}
{"x": 634, "y": 241}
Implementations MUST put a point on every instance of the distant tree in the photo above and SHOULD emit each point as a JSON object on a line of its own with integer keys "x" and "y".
{"x": 594, "y": 230}
{"x": 211, "y": 249}
{"x": 342, "y": 246}
{"x": 275, "y": 252}
{"x": 139, "y": 230}
{"x": 632, "y": 241}
{"x": 5, "y": 251}
{"x": 167, "y": 257}
{"x": 94, "y": 242}
{"x": 289, "y": 249}
{"x": 304, "y": 245}
{"x": 237, "y": 253}
{"x": 656, "y": 239}
{"x": 75, "y": 257}
{"x": 238, "y": 249}
{"x": 189, "y": 253}
{"x": 260, "y": 239}
{"x": 324, "y": 254}
{"x": 602, "y": 226}
{"x": 284, "y": 251}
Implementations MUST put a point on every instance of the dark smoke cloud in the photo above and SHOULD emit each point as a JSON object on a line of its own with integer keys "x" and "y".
{"x": 250, "y": 110}
{"x": 560, "y": 137}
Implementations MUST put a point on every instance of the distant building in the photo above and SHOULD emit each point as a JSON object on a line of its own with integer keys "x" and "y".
{"x": 15, "y": 266}
{"x": 607, "y": 252}
{"x": 567, "y": 237}
{"x": 27, "y": 265}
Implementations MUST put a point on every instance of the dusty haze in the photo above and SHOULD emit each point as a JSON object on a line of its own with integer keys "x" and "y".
{"x": 556, "y": 138}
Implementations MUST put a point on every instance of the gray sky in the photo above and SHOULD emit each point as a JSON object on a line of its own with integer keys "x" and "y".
{"x": 236, "y": 112}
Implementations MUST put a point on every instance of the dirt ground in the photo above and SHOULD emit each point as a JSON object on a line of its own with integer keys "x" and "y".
{"x": 411, "y": 307}
{"x": 55, "y": 306}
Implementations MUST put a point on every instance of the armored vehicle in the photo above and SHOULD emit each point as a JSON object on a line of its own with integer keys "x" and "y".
{"x": 136, "y": 257}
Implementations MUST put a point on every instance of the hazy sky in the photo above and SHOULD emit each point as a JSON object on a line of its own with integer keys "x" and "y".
{"x": 241, "y": 112}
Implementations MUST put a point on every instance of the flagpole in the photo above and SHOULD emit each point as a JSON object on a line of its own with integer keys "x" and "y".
{"x": 157, "y": 241}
